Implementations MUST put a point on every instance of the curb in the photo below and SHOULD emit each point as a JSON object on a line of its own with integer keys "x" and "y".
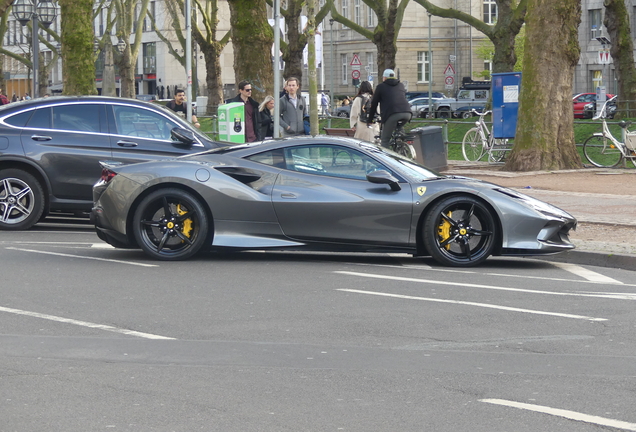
{"x": 599, "y": 259}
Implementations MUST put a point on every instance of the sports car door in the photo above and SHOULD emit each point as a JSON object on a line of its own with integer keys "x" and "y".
{"x": 324, "y": 195}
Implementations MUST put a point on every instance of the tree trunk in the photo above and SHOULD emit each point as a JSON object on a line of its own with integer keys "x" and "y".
{"x": 293, "y": 55}
{"x": 622, "y": 51}
{"x": 78, "y": 62}
{"x": 252, "y": 40}
{"x": 213, "y": 79}
{"x": 545, "y": 128}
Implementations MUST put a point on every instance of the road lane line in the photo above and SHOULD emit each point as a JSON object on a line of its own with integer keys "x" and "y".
{"x": 585, "y": 273}
{"x": 483, "y": 305}
{"x": 83, "y": 257}
{"x": 571, "y": 415}
{"x": 615, "y": 296}
{"x": 83, "y": 323}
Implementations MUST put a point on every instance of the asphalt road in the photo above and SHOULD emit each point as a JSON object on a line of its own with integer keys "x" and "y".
{"x": 94, "y": 338}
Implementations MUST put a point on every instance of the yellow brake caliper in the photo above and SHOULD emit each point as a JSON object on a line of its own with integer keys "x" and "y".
{"x": 186, "y": 229}
{"x": 444, "y": 230}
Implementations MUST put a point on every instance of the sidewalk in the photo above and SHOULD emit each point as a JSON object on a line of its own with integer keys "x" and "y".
{"x": 603, "y": 217}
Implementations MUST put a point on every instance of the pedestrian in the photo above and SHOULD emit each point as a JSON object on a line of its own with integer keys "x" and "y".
{"x": 3, "y": 99}
{"x": 27, "y": 97}
{"x": 14, "y": 98}
{"x": 324, "y": 102}
{"x": 391, "y": 96}
{"x": 178, "y": 105}
{"x": 266, "y": 108}
{"x": 359, "y": 116}
{"x": 292, "y": 109}
{"x": 252, "y": 113}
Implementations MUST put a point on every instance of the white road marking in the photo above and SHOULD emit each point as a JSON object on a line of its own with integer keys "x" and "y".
{"x": 585, "y": 273}
{"x": 101, "y": 246}
{"x": 83, "y": 257}
{"x": 617, "y": 296}
{"x": 83, "y": 323}
{"x": 483, "y": 305}
{"x": 571, "y": 415}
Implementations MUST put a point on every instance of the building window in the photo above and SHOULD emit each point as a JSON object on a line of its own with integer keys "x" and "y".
{"x": 423, "y": 67}
{"x": 370, "y": 17}
{"x": 596, "y": 21}
{"x": 488, "y": 69}
{"x": 150, "y": 58}
{"x": 357, "y": 15}
{"x": 343, "y": 60}
{"x": 344, "y": 11}
{"x": 490, "y": 11}
{"x": 370, "y": 64}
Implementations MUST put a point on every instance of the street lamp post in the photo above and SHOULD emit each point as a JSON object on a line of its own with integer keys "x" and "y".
{"x": 331, "y": 90}
{"x": 44, "y": 12}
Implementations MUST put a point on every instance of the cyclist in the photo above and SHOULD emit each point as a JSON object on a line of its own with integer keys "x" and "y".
{"x": 391, "y": 95}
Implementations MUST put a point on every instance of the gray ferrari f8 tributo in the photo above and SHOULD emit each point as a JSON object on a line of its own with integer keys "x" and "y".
{"x": 322, "y": 194}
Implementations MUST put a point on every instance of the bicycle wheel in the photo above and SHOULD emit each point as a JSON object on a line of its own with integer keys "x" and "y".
{"x": 601, "y": 152}
{"x": 472, "y": 146}
{"x": 498, "y": 151}
{"x": 404, "y": 149}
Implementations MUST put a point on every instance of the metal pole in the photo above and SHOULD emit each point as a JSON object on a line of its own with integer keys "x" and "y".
{"x": 276, "y": 68}
{"x": 430, "y": 70}
{"x": 188, "y": 19}
{"x": 36, "y": 53}
{"x": 332, "y": 99}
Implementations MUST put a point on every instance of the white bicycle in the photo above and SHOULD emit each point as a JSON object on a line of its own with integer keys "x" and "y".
{"x": 479, "y": 142}
{"x": 604, "y": 150}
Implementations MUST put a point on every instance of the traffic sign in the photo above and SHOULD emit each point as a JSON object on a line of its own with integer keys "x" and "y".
{"x": 355, "y": 74}
{"x": 449, "y": 80}
{"x": 604, "y": 56}
{"x": 356, "y": 61}
{"x": 450, "y": 70}
{"x": 370, "y": 78}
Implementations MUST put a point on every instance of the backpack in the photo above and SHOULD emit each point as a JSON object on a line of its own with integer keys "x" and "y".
{"x": 365, "y": 110}
{"x": 3, "y": 100}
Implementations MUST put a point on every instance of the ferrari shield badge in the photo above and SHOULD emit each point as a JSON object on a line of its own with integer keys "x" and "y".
{"x": 421, "y": 190}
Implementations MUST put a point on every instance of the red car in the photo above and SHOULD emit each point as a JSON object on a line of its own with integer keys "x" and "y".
{"x": 582, "y": 99}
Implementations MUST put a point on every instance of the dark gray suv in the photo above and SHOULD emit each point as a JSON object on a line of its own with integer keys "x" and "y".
{"x": 50, "y": 150}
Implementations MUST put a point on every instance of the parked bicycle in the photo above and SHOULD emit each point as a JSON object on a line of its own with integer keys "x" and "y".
{"x": 603, "y": 150}
{"x": 479, "y": 142}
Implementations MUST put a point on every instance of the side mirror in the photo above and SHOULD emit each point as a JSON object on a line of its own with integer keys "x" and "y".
{"x": 384, "y": 177}
{"x": 182, "y": 136}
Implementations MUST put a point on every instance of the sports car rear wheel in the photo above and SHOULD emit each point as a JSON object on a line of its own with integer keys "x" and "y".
{"x": 459, "y": 231}
{"x": 170, "y": 224}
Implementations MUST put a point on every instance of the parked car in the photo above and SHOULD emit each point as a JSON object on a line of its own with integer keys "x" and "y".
{"x": 610, "y": 109}
{"x": 50, "y": 150}
{"x": 419, "y": 106}
{"x": 582, "y": 99}
{"x": 318, "y": 193}
{"x": 423, "y": 94}
{"x": 466, "y": 98}
{"x": 343, "y": 111}
{"x": 466, "y": 112}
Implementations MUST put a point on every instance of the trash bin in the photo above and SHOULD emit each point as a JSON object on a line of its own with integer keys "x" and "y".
{"x": 429, "y": 147}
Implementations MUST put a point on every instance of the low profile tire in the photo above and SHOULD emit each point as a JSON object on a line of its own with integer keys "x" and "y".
{"x": 459, "y": 231}
{"x": 21, "y": 200}
{"x": 170, "y": 225}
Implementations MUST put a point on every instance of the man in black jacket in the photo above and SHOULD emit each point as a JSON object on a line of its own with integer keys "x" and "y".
{"x": 391, "y": 95}
{"x": 252, "y": 115}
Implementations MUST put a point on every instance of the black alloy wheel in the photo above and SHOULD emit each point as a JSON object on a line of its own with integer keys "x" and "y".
{"x": 459, "y": 231}
{"x": 21, "y": 200}
{"x": 170, "y": 225}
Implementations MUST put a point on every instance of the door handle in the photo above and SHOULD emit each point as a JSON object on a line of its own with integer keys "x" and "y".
{"x": 288, "y": 195}
{"x": 41, "y": 138}
{"x": 127, "y": 144}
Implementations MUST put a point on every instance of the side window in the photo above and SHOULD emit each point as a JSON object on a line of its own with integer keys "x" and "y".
{"x": 76, "y": 117}
{"x": 330, "y": 160}
{"x": 20, "y": 119}
{"x": 139, "y": 122}
{"x": 41, "y": 119}
{"x": 274, "y": 158}
{"x": 463, "y": 94}
{"x": 481, "y": 94}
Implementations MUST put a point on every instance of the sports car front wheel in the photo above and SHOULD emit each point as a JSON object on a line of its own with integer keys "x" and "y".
{"x": 459, "y": 231}
{"x": 170, "y": 224}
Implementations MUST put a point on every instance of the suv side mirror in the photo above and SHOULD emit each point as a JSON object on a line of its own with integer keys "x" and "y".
{"x": 182, "y": 136}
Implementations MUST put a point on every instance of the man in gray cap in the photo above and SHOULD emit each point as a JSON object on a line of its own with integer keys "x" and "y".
{"x": 391, "y": 95}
